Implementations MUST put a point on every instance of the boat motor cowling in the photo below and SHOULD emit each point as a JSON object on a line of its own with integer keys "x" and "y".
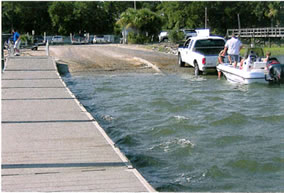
{"x": 275, "y": 73}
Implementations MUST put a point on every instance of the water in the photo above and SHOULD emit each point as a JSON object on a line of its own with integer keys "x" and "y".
{"x": 191, "y": 134}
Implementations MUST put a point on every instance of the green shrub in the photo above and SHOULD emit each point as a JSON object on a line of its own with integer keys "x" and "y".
{"x": 137, "y": 38}
{"x": 144, "y": 21}
{"x": 24, "y": 38}
{"x": 176, "y": 36}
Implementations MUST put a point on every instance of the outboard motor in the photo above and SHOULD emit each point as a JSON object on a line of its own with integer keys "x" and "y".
{"x": 275, "y": 72}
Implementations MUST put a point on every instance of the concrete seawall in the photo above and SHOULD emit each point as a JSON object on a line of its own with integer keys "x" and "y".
{"x": 50, "y": 142}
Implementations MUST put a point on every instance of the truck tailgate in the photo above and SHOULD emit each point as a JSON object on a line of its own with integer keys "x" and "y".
{"x": 211, "y": 61}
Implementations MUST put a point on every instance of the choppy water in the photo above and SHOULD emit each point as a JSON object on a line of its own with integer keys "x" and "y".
{"x": 191, "y": 134}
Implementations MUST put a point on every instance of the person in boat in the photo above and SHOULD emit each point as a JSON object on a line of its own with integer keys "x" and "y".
{"x": 271, "y": 61}
{"x": 246, "y": 56}
{"x": 221, "y": 58}
{"x": 232, "y": 48}
{"x": 268, "y": 54}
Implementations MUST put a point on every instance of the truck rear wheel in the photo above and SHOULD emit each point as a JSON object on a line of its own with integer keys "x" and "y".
{"x": 180, "y": 62}
{"x": 196, "y": 69}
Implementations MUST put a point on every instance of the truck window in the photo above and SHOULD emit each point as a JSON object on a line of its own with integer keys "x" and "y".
{"x": 209, "y": 46}
{"x": 186, "y": 43}
{"x": 209, "y": 43}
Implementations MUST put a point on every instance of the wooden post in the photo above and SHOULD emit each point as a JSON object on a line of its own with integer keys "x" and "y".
{"x": 239, "y": 24}
{"x": 205, "y": 17}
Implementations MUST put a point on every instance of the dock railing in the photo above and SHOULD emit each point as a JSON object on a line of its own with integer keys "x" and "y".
{"x": 272, "y": 32}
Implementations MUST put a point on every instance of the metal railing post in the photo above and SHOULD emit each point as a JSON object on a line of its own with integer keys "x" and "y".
{"x": 11, "y": 47}
{"x": 47, "y": 48}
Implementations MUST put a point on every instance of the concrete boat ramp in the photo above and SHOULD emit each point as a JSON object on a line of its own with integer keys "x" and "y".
{"x": 50, "y": 143}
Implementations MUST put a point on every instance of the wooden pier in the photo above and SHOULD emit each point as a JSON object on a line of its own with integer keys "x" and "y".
{"x": 50, "y": 143}
{"x": 274, "y": 32}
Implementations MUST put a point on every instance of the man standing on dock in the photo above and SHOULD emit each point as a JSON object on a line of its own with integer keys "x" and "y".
{"x": 17, "y": 42}
{"x": 233, "y": 47}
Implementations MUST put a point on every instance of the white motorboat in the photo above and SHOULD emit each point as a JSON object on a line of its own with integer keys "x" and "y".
{"x": 253, "y": 70}
{"x": 249, "y": 73}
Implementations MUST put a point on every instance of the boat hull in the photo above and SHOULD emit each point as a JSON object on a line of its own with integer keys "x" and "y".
{"x": 237, "y": 75}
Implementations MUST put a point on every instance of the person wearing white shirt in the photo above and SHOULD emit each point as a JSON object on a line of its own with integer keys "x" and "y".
{"x": 233, "y": 47}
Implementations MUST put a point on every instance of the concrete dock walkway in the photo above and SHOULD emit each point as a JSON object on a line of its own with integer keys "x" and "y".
{"x": 50, "y": 143}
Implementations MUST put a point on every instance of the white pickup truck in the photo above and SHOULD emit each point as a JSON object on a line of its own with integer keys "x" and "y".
{"x": 201, "y": 52}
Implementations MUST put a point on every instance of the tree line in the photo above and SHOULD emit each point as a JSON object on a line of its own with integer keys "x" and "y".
{"x": 110, "y": 17}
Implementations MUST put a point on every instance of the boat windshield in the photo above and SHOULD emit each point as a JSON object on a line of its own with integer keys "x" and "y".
{"x": 257, "y": 51}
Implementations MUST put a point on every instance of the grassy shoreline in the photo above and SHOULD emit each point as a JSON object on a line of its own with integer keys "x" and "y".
{"x": 275, "y": 51}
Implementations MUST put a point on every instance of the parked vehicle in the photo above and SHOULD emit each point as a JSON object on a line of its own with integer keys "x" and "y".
{"x": 109, "y": 38}
{"x": 57, "y": 39}
{"x": 163, "y": 36}
{"x": 99, "y": 39}
{"x": 201, "y": 51}
{"x": 188, "y": 33}
{"x": 80, "y": 39}
{"x": 39, "y": 40}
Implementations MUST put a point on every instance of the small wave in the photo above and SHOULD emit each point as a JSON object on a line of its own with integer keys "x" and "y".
{"x": 142, "y": 160}
{"x": 162, "y": 131}
{"x": 170, "y": 187}
{"x": 186, "y": 76}
{"x": 272, "y": 118}
{"x": 216, "y": 172}
{"x": 226, "y": 140}
{"x": 193, "y": 78}
{"x": 106, "y": 89}
{"x": 179, "y": 117}
{"x": 255, "y": 166}
{"x": 215, "y": 98}
{"x": 185, "y": 142}
{"x": 107, "y": 117}
{"x": 198, "y": 79}
{"x": 127, "y": 140}
{"x": 173, "y": 145}
{"x": 233, "y": 119}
